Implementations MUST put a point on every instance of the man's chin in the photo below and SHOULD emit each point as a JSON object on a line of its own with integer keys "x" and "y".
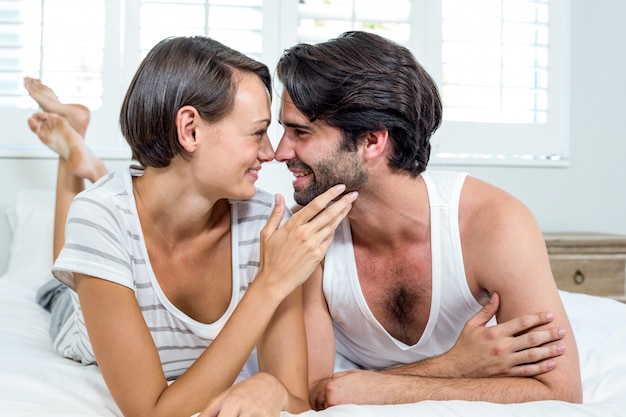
{"x": 300, "y": 201}
{"x": 302, "y": 198}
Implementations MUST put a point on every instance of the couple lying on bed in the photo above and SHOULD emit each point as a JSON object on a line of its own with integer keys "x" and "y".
{"x": 177, "y": 271}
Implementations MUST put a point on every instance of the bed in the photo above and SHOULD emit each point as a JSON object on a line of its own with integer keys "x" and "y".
{"x": 35, "y": 381}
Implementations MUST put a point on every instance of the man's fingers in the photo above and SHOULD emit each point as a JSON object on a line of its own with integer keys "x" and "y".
{"x": 485, "y": 314}
{"x": 526, "y": 323}
{"x": 537, "y": 338}
{"x": 533, "y": 369}
{"x": 540, "y": 354}
{"x": 538, "y": 360}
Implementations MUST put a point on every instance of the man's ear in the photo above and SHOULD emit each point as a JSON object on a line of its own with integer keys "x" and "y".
{"x": 187, "y": 118}
{"x": 375, "y": 143}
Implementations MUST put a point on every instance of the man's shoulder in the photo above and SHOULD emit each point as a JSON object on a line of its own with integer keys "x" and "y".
{"x": 487, "y": 210}
{"x": 478, "y": 194}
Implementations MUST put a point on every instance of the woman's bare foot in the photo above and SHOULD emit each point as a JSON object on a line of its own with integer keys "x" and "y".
{"x": 76, "y": 114}
{"x": 57, "y": 133}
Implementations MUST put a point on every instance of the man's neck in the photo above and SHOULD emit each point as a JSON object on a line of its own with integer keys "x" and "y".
{"x": 391, "y": 212}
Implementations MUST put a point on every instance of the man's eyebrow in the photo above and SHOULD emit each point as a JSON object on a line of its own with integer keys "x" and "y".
{"x": 293, "y": 125}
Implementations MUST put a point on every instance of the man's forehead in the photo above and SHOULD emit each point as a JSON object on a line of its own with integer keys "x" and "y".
{"x": 289, "y": 115}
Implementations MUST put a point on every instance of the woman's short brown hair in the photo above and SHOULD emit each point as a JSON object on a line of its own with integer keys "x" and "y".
{"x": 181, "y": 71}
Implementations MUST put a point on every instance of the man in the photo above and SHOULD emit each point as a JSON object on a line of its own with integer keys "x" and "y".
{"x": 421, "y": 251}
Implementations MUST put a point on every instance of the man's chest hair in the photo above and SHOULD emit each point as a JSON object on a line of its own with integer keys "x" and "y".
{"x": 399, "y": 295}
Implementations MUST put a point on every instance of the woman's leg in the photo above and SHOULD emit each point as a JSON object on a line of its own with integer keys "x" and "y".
{"x": 77, "y": 114}
{"x": 62, "y": 128}
{"x": 76, "y": 163}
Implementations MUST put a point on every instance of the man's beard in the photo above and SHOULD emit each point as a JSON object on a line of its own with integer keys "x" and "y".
{"x": 343, "y": 167}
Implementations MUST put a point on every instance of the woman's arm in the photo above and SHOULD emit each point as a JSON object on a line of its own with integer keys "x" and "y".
{"x": 320, "y": 338}
{"x": 130, "y": 363}
{"x": 281, "y": 383}
{"x": 124, "y": 347}
{"x": 282, "y": 351}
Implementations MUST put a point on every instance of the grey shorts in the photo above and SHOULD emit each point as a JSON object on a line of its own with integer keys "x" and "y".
{"x": 55, "y": 297}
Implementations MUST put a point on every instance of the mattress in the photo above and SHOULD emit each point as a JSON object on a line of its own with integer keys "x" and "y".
{"x": 36, "y": 381}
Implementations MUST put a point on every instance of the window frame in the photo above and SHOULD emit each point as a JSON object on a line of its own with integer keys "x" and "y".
{"x": 280, "y": 24}
{"x": 533, "y": 153}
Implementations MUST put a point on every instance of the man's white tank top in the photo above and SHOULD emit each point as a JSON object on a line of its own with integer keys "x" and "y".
{"x": 359, "y": 336}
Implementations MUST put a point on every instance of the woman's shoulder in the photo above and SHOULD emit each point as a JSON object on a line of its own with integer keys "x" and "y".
{"x": 262, "y": 201}
{"x": 116, "y": 183}
{"x": 111, "y": 194}
{"x": 255, "y": 211}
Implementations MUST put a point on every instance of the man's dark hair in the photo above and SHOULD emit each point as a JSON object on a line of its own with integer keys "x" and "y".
{"x": 361, "y": 82}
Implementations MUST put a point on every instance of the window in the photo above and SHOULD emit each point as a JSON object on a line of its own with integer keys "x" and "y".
{"x": 68, "y": 45}
{"x": 237, "y": 23}
{"x": 504, "y": 75}
{"x": 41, "y": 37}
{"x": 320, "y": 20}
{"x": 501, "y": 65}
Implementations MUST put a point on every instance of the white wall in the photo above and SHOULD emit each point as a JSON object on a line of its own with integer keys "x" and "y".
{"x": 587, "y": 195}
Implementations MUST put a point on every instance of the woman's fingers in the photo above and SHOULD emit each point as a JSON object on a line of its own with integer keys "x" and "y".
{"x": 317, "y": 221}
{"x": 276, "y": 216}
{"x": 329, "y": 216}
{"x": 292, "y": 251}
{"x": 333, "y": 214}
{"x": 319, "y": 203}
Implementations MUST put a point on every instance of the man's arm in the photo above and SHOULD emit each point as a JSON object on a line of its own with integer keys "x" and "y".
{"x": 505, "y": 254}
{"x": 472, "y": 370}
{"x": 513, "y": 349}
{"x": 367, "y": 387}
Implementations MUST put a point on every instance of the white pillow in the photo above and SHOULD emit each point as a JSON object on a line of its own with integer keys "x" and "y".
{"x": 31, "y": 248}
{"x": 7, "y": 225}
{"x": 11, "y": 217}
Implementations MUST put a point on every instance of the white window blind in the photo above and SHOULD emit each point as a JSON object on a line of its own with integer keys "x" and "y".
{"x": 88, "y": 50}
{"x": 320, "y": 20}
{"x": 41, "y": 38}
{"x": 501, "y": 65}
{"x": 237, "y": 23}
{"x": 504, "y": 75}
{"x": 495, "y": 61}
{"x": 60, "y": 41}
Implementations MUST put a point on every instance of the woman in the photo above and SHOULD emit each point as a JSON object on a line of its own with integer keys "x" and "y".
{"x": 168, "y": 275}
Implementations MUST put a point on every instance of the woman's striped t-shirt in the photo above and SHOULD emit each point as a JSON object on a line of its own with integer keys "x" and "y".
{"x": 104, "y": 240}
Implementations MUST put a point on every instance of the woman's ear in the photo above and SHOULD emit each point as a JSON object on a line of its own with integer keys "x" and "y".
{"x": 375, "y": 143}
{"x": 187, "y": 118}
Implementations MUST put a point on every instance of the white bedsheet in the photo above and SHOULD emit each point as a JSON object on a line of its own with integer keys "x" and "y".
{"x": 35, "y": 381}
